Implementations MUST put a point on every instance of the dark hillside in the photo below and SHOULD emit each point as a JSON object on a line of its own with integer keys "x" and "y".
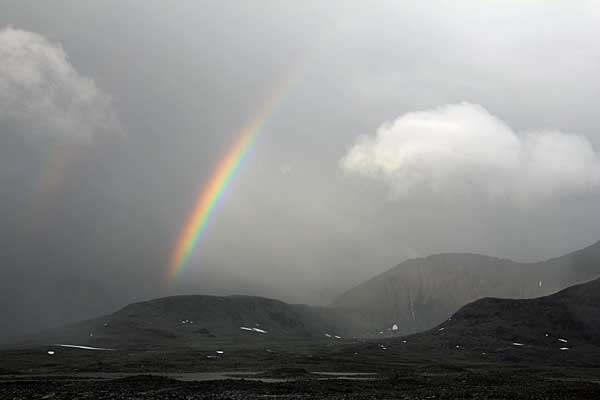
{"x": 181, "y": 320}
{"x": 421, "y": 293}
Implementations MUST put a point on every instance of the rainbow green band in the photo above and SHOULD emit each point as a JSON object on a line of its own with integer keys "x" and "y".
{"x": 212, "y": 192}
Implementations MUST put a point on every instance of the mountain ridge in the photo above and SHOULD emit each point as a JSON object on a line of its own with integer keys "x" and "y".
{"x": 413, "y": 296}
{"x": 419, "y": 293}
{"x": 564, "y": 326}
{"x": 183, "y": 320}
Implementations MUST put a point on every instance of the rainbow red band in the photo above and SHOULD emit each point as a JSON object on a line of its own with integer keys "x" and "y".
{"x": 212, "y": 192}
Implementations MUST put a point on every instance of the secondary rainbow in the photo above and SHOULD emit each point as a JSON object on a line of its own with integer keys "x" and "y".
{"x": 214, "y": 189}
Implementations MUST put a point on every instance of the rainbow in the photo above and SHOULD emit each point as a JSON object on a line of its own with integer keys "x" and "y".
{"x": 52, "y": 179}
{"x": 212, "y": 192}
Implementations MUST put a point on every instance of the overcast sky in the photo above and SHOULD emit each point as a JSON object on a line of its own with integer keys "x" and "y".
{"x": 408, "y": 129}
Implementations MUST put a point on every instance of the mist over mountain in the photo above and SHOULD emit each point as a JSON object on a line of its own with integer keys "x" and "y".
{"x": 421, "y": 293}
{"x": 414, "y": 296}
{"x": 73, "y": 300}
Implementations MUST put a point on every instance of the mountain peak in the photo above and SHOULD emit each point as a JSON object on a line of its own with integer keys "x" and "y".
{"x": 421, "y": 293}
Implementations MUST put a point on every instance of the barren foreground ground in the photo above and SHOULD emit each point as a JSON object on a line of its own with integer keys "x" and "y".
{"x": 280, "y": 373}
{"x": 408, "y": 385}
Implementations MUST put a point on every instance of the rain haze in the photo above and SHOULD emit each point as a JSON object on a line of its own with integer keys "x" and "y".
{"x": 380, "y": 132}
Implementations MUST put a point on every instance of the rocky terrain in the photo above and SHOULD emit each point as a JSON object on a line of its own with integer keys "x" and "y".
{"x": 560, "y": 329}
{"x": 555, "y": 329}
{"x": 421, "y": 293}
{"x": 482, "y": 384}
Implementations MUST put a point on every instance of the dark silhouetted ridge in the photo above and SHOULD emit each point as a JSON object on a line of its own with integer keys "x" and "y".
{"x": 184, "y": 320}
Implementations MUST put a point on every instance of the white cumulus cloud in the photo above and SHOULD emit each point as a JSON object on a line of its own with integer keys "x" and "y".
{"x": 41, "y": 93}
{"x": 461, "y": 150}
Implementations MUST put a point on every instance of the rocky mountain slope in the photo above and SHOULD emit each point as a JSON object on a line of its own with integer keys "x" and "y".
{"x": 421, "y": 293}
{"x": 558, "y": 327}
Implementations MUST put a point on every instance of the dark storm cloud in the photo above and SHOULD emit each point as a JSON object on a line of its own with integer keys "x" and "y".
{"x": 178, "y": 80}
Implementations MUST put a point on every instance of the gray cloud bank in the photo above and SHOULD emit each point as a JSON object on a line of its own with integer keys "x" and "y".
{"x": 463, "y": 150}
